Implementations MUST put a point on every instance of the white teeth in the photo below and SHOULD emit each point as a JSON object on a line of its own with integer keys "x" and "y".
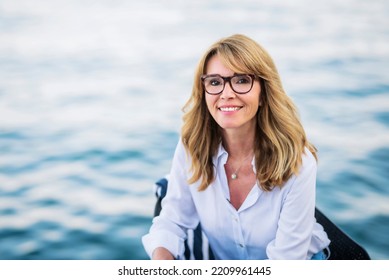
{"x": 229, "y": 109}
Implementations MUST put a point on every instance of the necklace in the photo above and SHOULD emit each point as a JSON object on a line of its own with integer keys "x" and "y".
{"x": 234, "y": 175}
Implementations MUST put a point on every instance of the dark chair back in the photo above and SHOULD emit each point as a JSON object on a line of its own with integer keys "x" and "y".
{"x": 342, "y": 246}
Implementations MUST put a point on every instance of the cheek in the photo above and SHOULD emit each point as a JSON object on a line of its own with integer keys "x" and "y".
{"x": 258, "y": 92}
{"x": 255, "y": 98}
{"x": 210, "y": 101}
{"x": 254, "y": 109}
{"x": 254, "y": 106}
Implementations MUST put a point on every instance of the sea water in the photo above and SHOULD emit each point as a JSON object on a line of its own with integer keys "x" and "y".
{"x": 90, "y": 112}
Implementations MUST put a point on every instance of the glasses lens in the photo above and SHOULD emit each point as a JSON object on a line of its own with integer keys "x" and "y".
{"x": 213, "y": 84}
{"x": 242, "y": 83}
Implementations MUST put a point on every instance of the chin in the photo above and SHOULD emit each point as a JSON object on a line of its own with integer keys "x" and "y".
{"x": 229, "y": 126}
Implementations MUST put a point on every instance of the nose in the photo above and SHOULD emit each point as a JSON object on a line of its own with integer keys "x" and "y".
{"x": 227, "y": 92}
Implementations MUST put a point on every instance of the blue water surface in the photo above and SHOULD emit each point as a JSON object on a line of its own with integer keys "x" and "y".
{"x": 90, "y": 112}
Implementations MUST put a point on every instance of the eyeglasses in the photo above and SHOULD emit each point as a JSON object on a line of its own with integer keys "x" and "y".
{"x": 240, "y": 83}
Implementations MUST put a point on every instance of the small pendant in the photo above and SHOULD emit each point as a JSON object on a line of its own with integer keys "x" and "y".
{"x": 234, "y": 176}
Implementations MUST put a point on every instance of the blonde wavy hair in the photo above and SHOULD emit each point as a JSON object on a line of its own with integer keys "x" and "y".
{"x": 280, "y": 137}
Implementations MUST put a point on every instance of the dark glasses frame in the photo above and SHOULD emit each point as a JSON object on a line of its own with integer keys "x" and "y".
{"x": 228, "y": 79}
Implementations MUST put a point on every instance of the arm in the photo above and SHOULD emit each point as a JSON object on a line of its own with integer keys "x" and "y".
{"x": 296, "y": 219}
{"x": 169, "y": 230}
{"x": 161, "y": 253}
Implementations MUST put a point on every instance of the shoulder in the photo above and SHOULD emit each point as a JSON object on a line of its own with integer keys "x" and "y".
{"x": 180, "y": 145}
{"x": 181, "y": 148}
{"x": 308, "y": 160}
{"x": 181, "y": 154}
{"x": 307, "y": 168}
{"x": 304, "y": 179}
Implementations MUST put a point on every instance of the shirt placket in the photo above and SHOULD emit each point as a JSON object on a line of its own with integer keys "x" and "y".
{"x": 238, "y": 234}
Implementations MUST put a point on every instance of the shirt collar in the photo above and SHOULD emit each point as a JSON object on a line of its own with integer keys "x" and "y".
{"x": 222, "y": 155}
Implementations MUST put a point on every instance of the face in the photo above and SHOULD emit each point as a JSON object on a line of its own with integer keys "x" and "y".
{"x": 232, "y": 111}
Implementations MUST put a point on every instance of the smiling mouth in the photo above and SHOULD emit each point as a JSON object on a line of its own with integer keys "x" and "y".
{"x": 229, "y": 109}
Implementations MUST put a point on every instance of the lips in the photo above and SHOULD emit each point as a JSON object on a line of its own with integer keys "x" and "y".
{"x": 230, "y": 108}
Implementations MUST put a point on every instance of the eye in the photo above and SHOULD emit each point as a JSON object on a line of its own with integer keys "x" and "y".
{"x": 214, "y": 82}
{"x": 242, "y": 79}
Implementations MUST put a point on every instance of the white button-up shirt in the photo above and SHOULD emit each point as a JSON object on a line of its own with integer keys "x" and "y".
{"x": 279, "y": 224}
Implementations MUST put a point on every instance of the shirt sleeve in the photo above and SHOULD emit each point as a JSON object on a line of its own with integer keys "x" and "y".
{"x": 297, "y": 220}
{"x": 178, "y": 214}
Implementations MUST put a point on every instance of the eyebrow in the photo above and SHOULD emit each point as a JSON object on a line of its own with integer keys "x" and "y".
{"x": 235, "y": 74}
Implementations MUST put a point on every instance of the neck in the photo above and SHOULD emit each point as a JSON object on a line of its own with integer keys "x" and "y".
{"x": 239, "y": 144}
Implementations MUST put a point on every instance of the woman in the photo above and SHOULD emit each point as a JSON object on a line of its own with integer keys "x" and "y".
{"x": 243, "y": 168}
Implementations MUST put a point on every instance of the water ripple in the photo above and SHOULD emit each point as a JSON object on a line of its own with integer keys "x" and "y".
{"x": 91, "y": 97}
